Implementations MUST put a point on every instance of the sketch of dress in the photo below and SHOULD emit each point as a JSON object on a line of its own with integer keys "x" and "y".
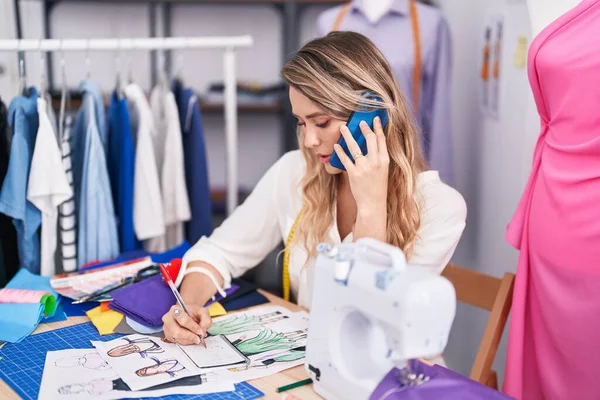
{"x": 102, "y": 386}
{"x": 244, "y": 322}
{"x": 170, "y": 367}
{"x": 96, "y": 387}
{"x": 268, "y": 340}
{"x": 89, "y": 361}
{"x": 142, "y": 346}
{"x": 269, "y": 359}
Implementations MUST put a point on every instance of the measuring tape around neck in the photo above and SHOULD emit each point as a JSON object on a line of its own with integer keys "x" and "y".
{"x": 286, "y": 258}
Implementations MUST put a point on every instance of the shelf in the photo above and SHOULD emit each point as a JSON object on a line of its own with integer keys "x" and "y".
{"x": 243, "y": 108}
{"x": 211, "y": 108}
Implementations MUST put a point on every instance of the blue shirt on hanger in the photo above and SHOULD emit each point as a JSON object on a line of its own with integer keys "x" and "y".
{"x": 23, "y": 118}
{"x": 196, "y": 163}
{"x": 97, "y": 237}
{"x": 121, "y": 169}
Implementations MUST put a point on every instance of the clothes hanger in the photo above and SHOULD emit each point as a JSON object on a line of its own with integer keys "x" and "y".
{"x": 88, "y": 63}
{"x": 22, "y": 89}
{"x": 129, "y": 73}
{"x": 163, "y": 79}
{"x": 65, "y": 97}
{"x": 42, "y": 70}
{"x": 178, "y": 76}
{"x": 118, "y": 83}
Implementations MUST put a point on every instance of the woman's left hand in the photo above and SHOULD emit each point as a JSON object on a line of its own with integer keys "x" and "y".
{"x": 368, "y": 174}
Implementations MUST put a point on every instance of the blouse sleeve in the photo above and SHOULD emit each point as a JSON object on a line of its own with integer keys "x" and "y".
{"x": 247, "y": 236}
{"x": 443, "y": 219}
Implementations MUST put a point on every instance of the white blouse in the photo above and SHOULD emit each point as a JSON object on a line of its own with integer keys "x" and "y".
{"x": 258, "y": 225}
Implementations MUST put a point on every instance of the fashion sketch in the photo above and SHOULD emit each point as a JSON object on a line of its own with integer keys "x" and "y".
{"x": 90, "y": 361}
{"x": 244, "y": 322}
{"x": 103, "y": 385}
{"x": 141, "y": 346}
{"x": 270, "y": 359}
{"x": 170, "y": 367}
{"x": 268, "y": 340}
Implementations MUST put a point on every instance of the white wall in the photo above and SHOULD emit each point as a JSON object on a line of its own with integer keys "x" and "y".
{"x": 8, "y": 62}
{"x": 492, "y": 157}
{"x": 485, "y": 150}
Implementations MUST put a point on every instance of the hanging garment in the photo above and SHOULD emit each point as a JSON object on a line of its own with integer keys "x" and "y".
{"x": 9, "y": 258}
{"x": 23, "y": 118}
{"x": 48, "y": 186}
{"x": 395, "y": 36}
{"x": 168, "y": 148}
{"x": 121, "y": 168}
{"x": 52, "y": 116}
{"x": 148, "y": 210}
{"x": 97, "y": 236}
{"x": 67, "y": 213}
{"x": 553, "y": 338}
{"x": 196, "y": 163}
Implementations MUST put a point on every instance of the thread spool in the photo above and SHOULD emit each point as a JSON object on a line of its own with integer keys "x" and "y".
{"x": 20, "y": 296}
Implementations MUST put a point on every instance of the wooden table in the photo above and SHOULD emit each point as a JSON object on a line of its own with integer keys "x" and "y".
{"x": 266, "y": 385}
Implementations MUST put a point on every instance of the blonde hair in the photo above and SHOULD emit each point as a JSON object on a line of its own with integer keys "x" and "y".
{"x": 333, "y": 72}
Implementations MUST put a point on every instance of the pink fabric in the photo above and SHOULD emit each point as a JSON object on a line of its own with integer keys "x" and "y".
{"x": 554, "y": 339}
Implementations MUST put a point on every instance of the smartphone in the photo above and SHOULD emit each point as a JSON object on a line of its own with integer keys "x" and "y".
{"x": 353, "y": 125}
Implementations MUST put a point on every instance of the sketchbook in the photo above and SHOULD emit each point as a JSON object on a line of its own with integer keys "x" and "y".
{"x": 272, "y": 337}
{"x": 146, "y": 361}
{"x": 219, "y": 353}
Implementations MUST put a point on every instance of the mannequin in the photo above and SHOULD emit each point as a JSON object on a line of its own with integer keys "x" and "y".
{"x": 374, "y": 10}
{"x": 553, "y": 342}
{"x": 416, "y": 40}
{"x": 543, "y": 12}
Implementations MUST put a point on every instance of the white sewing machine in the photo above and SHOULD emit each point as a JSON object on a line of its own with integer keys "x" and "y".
{"x": 371, "y": 312}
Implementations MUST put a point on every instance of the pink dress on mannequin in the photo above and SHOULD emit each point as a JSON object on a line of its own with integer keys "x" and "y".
{"x": 554, "y": 339}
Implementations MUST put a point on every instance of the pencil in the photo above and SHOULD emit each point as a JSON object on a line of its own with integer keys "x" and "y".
{"x": 169, "y": 281}
{"x": 294, "y": 385}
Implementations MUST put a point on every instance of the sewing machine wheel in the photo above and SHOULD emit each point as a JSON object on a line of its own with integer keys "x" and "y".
{"x": 361, "y": 352}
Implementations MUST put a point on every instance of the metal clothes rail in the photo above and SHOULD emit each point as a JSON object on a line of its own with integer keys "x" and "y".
{"x": 228, "y": 43}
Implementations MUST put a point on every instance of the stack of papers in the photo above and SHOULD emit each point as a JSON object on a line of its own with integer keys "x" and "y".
{"x": 240, "y": 347}
{"x": 18, "y": 320}
{"x": 84, "y": 374}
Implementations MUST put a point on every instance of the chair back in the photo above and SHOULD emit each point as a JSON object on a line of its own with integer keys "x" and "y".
{"x": 494, "y": 295}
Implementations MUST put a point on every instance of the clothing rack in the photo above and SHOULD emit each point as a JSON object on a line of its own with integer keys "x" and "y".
{"x": 228, "y": 43}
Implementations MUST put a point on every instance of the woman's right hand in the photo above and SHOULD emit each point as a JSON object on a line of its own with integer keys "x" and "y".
{"x": 184, "y": 329}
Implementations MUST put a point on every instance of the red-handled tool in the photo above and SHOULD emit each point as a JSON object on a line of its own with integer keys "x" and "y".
{"x": 164, "y": 269}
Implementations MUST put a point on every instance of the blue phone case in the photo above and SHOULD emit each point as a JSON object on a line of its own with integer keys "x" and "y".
{"x": 352, "y": 124}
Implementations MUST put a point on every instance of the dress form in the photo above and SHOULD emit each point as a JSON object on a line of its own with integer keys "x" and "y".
{"x": 374, "y": 10}
{"x": 555, "y": 271}
{"x": 543, "y": 12}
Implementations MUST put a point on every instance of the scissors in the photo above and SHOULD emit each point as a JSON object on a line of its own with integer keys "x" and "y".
{"x": 101, "y": 295}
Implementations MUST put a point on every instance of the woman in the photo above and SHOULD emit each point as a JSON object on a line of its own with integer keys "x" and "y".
{"x": 386, "y": 194}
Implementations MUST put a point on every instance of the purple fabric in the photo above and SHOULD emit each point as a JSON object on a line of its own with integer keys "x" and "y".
{"x": 443, "y": 384}
{"x": 147, "y": 301}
